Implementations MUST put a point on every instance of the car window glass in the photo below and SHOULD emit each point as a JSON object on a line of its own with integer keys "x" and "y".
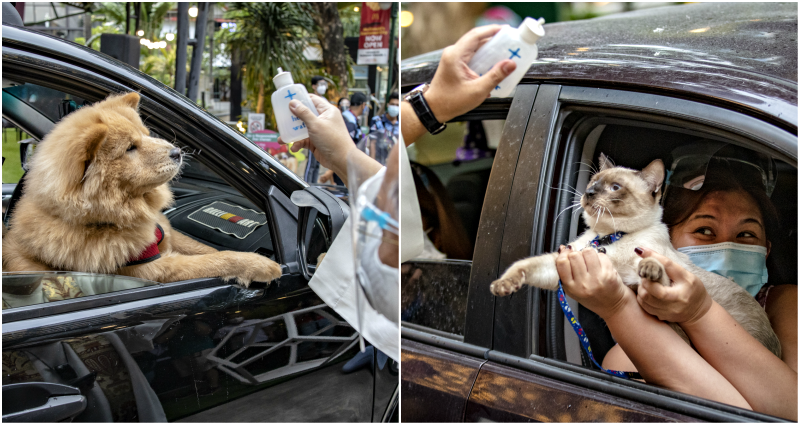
{"x": 12, "y": 162}
{"x": 21, "y": 289}
{"x": 51, "y": 103}
{"x": 451, "y": 173}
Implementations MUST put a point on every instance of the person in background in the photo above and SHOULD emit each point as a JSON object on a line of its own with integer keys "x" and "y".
{"x": 389, "y": 121}
{"x": 344, "y": 104}
{"x": 318, "y": 86}
{"x": 358, "y": 103}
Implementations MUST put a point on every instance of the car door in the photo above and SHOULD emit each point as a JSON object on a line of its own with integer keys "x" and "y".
{"x": 199, "y": 350}
{"x": 517, "y": 359}
{"x": 536, "y": 369}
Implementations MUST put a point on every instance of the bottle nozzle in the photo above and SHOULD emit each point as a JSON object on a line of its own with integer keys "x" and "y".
{"x": 283, "y": 78}
{"x": 531, "y": 29}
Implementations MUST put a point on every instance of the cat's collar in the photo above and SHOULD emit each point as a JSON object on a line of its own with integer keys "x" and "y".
{"x": 599, "y": 241}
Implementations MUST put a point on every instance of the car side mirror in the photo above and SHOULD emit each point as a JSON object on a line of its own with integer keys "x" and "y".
{"x": 320, "y": 218}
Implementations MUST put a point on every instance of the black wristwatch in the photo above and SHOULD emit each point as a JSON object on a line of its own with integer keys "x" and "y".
{"x": 417, "y": 100}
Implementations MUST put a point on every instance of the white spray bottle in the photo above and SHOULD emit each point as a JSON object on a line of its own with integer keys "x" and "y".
{"x": 291, "y": 128}
{"x": 518, "y": 44}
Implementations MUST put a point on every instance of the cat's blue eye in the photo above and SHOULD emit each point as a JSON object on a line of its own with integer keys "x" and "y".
{"x": 615, "y": 187}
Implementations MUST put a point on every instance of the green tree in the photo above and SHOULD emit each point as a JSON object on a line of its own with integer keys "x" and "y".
{"x": 271, "y": 35}
{"x": 150, "y": 21}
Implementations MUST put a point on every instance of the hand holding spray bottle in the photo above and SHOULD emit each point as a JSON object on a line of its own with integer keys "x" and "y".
{"x": 290, "y": 127}
{"x": 517, "y": 44}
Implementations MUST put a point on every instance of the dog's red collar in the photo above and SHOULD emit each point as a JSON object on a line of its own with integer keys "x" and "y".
{"x": 150, "y": 253}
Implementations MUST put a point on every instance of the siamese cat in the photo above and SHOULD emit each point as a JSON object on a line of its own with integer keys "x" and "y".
{"x": 619, "y": 199}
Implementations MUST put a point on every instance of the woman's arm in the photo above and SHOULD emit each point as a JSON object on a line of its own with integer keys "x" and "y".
{"x": 658, "y": 353}
{"x": 782, "y": 313}
{"x": 767, "y": 383}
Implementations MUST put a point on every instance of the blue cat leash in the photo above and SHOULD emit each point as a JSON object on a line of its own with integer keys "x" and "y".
{"x": 576, "y": 326}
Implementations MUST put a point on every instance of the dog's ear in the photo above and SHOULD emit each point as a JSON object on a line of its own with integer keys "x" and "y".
{"x": 605, "y": 162}
{"x": 131, "y": 100}
{"x": 653, "y": 174}
{"x": 93, "y": 138}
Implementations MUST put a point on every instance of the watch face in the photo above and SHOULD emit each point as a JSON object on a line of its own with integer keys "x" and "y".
{"x": 418, "y": 89}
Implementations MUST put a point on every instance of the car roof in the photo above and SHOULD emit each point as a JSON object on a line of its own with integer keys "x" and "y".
{"x": 743, "y": 54}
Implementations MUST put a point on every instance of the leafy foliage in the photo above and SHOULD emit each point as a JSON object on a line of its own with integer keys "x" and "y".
{"x": 272, "y": 35}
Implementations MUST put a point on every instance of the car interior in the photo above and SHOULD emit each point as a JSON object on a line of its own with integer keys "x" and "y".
{"x": 634, "y": 141}
{"x": 200, "y": 194}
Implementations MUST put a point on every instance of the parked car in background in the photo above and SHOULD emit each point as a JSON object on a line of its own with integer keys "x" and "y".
{"x": 634, "y": 86}
{"x": 200, "y": 350}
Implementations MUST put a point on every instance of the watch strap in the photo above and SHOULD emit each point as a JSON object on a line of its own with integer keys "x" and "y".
{"x": 424, "y": 113}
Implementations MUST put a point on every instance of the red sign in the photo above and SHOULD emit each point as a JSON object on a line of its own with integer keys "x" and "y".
{"x": 373, "y": 38}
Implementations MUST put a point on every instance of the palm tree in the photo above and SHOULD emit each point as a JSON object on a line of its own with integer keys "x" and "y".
{"x": 271, "y": 35}
{"x": 151, "y": 17}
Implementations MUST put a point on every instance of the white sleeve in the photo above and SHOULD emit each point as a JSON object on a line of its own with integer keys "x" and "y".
{"x": 335, "y": 282}
{"x": 410, "y": 218}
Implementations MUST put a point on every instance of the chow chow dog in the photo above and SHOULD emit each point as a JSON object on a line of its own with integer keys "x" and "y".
{"x": 92, "y": 202}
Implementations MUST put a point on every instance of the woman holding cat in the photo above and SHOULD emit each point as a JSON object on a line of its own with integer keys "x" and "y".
{"x": 726, "y": 363}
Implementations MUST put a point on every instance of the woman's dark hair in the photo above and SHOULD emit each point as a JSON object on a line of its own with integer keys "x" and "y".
{"x": 439, "y": 215}
{"x": 680, "y": 203}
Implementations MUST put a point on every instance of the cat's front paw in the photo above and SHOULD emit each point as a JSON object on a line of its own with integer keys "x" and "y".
{"x": 509, "y": 283}
{"x": 651, "y": 269}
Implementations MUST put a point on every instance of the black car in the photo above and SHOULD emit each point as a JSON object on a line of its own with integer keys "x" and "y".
{"x": 634, "y": 86}
{"x": 102, "y": 348}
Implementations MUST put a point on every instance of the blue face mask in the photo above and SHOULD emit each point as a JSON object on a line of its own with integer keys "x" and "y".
{"x": 744, "y": 264}
{"x": 393, "y": 110}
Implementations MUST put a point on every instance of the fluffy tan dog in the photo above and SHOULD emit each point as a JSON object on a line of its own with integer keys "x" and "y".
{"x": 92, "y": 202}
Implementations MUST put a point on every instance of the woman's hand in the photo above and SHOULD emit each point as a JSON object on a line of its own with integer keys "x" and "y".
{"x": 591, "y": 279}
{"x": 685, "y": 302}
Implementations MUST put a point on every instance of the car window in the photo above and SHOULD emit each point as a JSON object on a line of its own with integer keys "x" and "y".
{"x": 634, "y": 143}
{"x": 49, "y": 102}
{"x": 451, "y": 173}
{"x": 21, "y": 289}
{"x": 12, "y": 163}
{"x": 200, "y": 197}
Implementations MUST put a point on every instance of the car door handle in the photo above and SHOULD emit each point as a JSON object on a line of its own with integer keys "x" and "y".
{"x": 41, "y": 402}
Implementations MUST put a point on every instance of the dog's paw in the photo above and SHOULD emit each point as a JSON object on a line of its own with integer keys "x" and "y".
{"x": 651, "y": 269}
{"x": 254, "y": 268}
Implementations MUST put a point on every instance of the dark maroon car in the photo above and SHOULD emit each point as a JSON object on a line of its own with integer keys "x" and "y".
{"x": 634, "y": 86}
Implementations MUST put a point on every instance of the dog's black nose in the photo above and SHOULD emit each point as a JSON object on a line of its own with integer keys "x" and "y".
{"x": 175, "y": 154}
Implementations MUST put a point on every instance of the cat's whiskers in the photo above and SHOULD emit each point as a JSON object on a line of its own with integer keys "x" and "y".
{"x": 577, "y": 204}
{"x": 613, "y": 223}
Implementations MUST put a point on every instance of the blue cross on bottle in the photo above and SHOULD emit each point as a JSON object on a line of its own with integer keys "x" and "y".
{"x": 291, "y": 95}
{"x": 515, "y": 53}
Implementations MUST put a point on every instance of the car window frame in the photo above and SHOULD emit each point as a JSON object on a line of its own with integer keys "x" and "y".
{"x": 94, "y": 87}
{"x": 779, "y": 143}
